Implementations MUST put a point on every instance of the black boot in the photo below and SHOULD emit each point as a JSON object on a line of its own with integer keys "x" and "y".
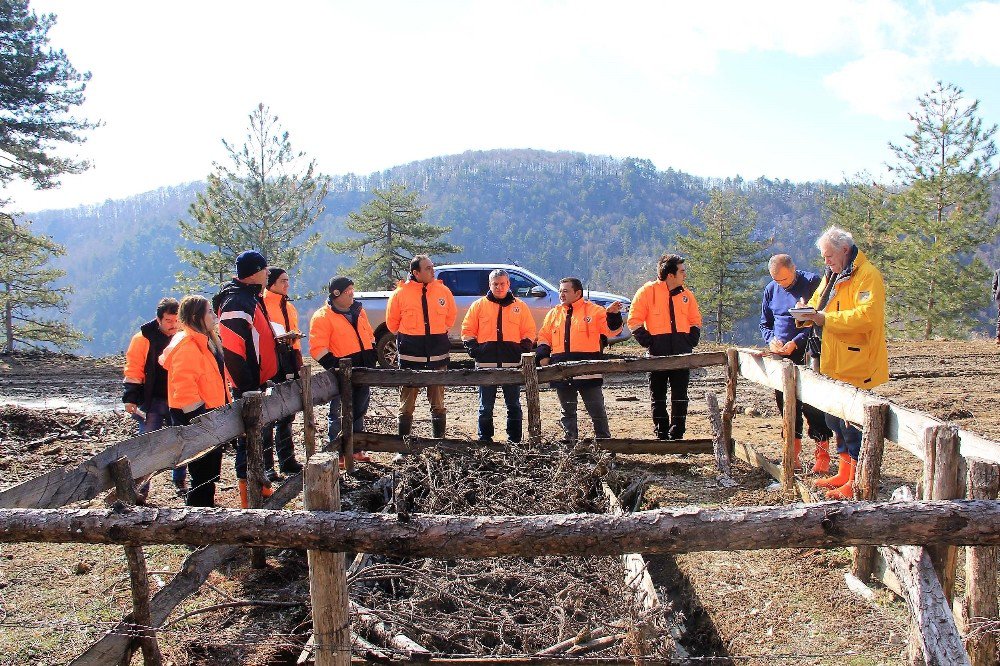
{"x": 405, "y": 423}
{"x": 438, "y": 422}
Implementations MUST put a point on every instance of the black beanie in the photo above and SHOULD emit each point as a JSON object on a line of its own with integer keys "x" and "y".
{"x": 249, "y": 262}
{"x": 273, "y": 274}
{"x": 339, "y": 284}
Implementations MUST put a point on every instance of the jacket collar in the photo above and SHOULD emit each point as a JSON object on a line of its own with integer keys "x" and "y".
{"x": 503, "y": 302}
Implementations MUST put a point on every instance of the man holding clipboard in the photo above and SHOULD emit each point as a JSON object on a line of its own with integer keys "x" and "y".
{"x": 777, "y": 327}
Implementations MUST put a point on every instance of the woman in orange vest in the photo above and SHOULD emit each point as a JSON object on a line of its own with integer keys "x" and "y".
{"x": 340, "y": 329}
{"x": 284, "y": 320}
{"x": 196, "y": 385}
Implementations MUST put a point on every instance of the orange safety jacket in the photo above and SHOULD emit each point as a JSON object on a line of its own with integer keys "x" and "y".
{"x": 332, "y": 337}
{"x": 420, "y": 316}
{"x": 283, "y": 315}
{"x": 194, "y": 373}
{"x": 665, "y": 321}
{"x": 144, "y": 378}
{"x": 573, "y": 332}
{"x": 497, "y": 332}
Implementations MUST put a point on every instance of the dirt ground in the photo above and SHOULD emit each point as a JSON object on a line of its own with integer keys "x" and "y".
{"x": 782, "y": 606}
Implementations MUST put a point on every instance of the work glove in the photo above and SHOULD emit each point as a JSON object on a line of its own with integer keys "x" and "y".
{"x": 643, "y": 337}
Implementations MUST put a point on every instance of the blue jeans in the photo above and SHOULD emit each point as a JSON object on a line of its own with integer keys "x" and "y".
{"x": 157, "y": 417}
{"x": 848, "y": 437}
{"x": 593, "y": 400}
{"x": 361, "y": 396}
{"x": 515, "y": 416}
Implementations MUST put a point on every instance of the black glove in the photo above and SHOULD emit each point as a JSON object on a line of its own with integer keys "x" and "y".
{"x": 472, "y": 347}
{"x": 643, "y": 337}
{"x": 328, "y": 361}
{"x": 132, "y": 394}
{"x": 527, "y": 345}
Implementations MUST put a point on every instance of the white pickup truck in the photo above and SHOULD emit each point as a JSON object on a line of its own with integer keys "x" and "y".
{"x": 469, "y": 282}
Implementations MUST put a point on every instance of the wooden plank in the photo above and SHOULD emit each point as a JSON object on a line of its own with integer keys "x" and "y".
{"x": 719, "y": 444}
{"x": 308, "y": 418}
{"x": 532, "y": 399}
{"x": 194, "y": 571}
{"x": 327, "y": 576}
{"x": 789, "y": 384}
{"x": 945, "y": 483}
{"x": 729, "y": 409}
{"x": 252, "y": 407}
{"x": 346, "y": 414}
{"x": 161, "y": 449}
{"x": 979, "y": 608}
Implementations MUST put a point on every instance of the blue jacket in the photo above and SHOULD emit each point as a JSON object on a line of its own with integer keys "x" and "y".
{"x": 774, "y": 318}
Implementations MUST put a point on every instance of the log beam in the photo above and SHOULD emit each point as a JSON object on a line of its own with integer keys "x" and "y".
{"x": 679, "y": 530}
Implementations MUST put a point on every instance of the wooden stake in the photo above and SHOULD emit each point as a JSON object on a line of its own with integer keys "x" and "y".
{"x": 722, "y": 459}
{"x": 327, "y": 576}
{"x": 946, "y": 484}
{"x": 532, "y": 398}
{"x": 868, "y": 475}
{"x": 308, "y": 420}
{"x": 346, "y": 414}
{"x": 979, "y": 605}
{"x": 252, "y": 409}
{"x": 142, "y": 625}
{"x": 732, "y": 373}
{"x": 788, "y": 383}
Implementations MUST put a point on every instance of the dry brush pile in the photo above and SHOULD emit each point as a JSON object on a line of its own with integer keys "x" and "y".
{"x": 508, "y": 606}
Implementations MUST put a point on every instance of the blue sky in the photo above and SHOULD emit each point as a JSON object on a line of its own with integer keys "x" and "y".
{"x": 792, "y": 90}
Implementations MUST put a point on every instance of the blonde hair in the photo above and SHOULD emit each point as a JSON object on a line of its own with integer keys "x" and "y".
{"x": 192, "y": 316}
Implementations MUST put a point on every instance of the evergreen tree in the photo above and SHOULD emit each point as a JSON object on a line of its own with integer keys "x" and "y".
{"x": 391, "y": 234}
{"x": 27, "y": 289}
{"x": 38, "y": 87}
{"x": 724, "y": 262}
{"x": 945, "y": 169}
{"x": 264, "y": 199}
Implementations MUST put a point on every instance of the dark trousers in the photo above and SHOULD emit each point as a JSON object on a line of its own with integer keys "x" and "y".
{"x": 818, "y": 429}
{"x": 360, "y": 398}
{"x": 204, "y": 470}
{"x": 848, "y": 437}
{"x": 670, "y": 426}
{"x": 515, "y": 416}
{"x": 593, "y": 400}
{"x": 283, "y": 444}
{"x": 158, "y": 416}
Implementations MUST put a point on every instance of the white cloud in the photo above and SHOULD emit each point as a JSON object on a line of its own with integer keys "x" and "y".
{"x": 883, "y": 83}
{"x": 970, "y": 33}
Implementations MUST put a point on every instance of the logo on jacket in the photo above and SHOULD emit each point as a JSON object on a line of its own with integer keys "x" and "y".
{"x": 588, "y": 319}
{"x": 440, "y": 301}
{"x": 516, "y": 309}
{"x": 864, "y": 296}
{"x": 684, "y": 298}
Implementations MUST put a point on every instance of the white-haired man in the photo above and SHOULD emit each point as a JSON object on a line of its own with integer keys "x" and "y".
{"x": 850, "y": 320}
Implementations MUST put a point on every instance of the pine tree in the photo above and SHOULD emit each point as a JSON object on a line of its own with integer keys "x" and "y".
{"x": 945, "y": 169}
{"x": 264, "y": 200}
{"x": 391, "y": 234}
{"x": 38, "y": 87}
{"x": 723, "y": 260}
{"x": 27, "y": 289}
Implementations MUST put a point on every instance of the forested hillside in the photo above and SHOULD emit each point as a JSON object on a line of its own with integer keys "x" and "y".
{"x": 555, "y": 213}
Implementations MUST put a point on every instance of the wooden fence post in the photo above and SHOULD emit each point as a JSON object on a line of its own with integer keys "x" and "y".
{"x": 868, "y": 475}
{"x": 308, "y": 419}
{"x": 732, "y": 373}
{"x": 788, "y": 384}
{"x": 252, "y": 411}
{"x": 532, "y": 398}
{"x": 327, "y": 575}
{"x": 346, "y": 414}
{"x": 722, "y": 459}
{"x": 980, "y": 603}
{"x": 142, "y": 623}
{"x": 943, "y": 481}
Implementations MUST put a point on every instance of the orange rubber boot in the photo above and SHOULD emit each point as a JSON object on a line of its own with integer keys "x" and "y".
{"x": 822, "y": 465}
{"x": 265, "y": 491}
{"x": 846, "y": 491}
{"x": 844, "y": 474}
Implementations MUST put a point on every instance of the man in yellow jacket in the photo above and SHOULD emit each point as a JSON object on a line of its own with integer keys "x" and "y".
{"x": 420, "y": 313}
{"x": 850, "y": 322}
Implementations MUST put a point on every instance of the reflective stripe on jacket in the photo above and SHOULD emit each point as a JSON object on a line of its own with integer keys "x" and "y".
{"x": 331, "y": 332}
{"x": 420, "y": 316}
{"x": 672, "y": 318}
{"x": 247, "y": 337}
{"x": 853, "y": 347}
{"x": 193, "y": 374}
{"x": 498, "y": 329}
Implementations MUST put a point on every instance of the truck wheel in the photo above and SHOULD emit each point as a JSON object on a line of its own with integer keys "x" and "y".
{"x": 385, "y": 348}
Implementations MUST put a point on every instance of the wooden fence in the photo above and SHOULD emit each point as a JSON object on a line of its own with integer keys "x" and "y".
{"x": 29, "y": 511}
